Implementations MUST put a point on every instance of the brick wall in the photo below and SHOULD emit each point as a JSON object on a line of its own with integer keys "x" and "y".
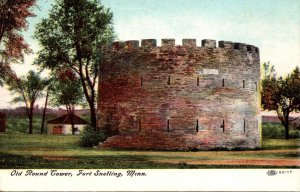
{"x": 180, "y": 97}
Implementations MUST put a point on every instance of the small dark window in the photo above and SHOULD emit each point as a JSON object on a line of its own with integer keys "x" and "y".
{"x": 244, "y": 126}
{"x": 243, "y": 83}
{"x": 223, "y": 82}
{"x": 197, "y": 125}
{"x": 142, "y": 81}
{"x": 169, "y": 80}
{"x": 256, "y": 86}
{"x": 197, "y": 81}
{"x": 140, "y": 124}
{"x": 168, "y": 125}
{"x": 223, "y": 126}
{"x": 76, "y": 130}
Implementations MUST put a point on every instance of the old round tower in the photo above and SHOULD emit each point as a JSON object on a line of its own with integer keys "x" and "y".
{"x": 180, "y": 97}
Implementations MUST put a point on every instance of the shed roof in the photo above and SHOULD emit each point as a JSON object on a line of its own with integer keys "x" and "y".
{"x": 65, "y": 119}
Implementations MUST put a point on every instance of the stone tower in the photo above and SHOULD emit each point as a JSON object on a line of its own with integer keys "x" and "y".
{"x": 180, "y": 97}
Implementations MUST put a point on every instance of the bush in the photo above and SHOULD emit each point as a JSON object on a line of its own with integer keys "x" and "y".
{"x": 277, "y": 131}
{"x": 91, "y": 138}
{"x": 20, "y": 123}
{"x": 17, "y": 124}
{"x": 272, "y": 130}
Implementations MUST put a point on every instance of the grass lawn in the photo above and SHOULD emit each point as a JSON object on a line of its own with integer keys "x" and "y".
{"x": 19, "y": 150}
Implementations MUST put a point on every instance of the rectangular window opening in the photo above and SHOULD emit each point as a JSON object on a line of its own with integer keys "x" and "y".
{"x": 223, "y": 126}
{"x": 223, "y": 82}
{"x": 255, "y": 86}
{"x": 244, "y": 126}
{"x": 197, "y": 81}
{"x": 168, "y": 125}
{"x": 140, "y": 125}
{"x": 243, "y": 83}
{"x": 197, "y": 126}
{"x": 169, "y": 80}
{"x": 142, "y": 81}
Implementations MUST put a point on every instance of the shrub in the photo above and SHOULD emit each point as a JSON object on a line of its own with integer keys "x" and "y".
{"x": 272, "y": 130}
{"x": 91, "y": 138}
{"x": 294, "y": 133}
{"x": 17, "y": 124}
{"x": 20, "y": 123}
{"x": 276, "y": 131}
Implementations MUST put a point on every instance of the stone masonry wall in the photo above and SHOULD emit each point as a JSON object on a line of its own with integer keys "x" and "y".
{"x": 180, "y": 97}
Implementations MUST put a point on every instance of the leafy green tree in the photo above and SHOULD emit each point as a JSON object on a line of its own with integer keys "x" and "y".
{"x": 282, "y": 95}
{"x": 13, "y": 15}
{"x": 28, "y": 89}
{"x": 72, "y": 37}
{"x": 67, "y": 91}
{"x": 268, "y": 71}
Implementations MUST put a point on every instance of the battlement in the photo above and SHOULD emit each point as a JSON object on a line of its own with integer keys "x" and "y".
{"x": 205, "y": 43}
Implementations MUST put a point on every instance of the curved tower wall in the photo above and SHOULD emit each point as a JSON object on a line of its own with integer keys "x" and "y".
{"x": 180, "y": 97}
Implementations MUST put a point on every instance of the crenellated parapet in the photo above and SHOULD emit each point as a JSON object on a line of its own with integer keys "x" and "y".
{"x": 205, "y": 43}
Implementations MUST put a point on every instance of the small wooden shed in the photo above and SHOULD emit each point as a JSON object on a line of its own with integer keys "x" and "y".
{"x": 62, "y": 125}
{"x": 2, "y": 122}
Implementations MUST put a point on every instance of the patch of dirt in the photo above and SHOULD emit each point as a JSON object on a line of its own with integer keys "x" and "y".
{"x": 37, "y": 148}
{"x": 270, "y": 151}
{"x": 57, "y": 158}
{"x": 271, "y": 162}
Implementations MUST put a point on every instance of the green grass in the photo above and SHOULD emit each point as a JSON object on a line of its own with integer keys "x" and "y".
{"x": 18, "y": 150}
{"x": 280, "y": 144}
{"x": 277, "y": 131}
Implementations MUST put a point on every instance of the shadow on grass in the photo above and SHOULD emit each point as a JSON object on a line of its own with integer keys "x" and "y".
{"x": 287, "y": 155}
{"x": 9, "y": 161}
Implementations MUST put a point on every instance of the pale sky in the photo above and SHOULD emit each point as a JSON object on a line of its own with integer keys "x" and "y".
{"x": 271, "y": 25}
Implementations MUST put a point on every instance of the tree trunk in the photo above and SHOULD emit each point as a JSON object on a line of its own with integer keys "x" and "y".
{"x": 93, "y": 117}
{"x": 44, "y": 113}
{"x": 286, "y": 125}
{"x": 89, "y": 97}
{"x": 287, "y": 132}
{"x": 72, "y": 123}
{"x": 30, "y": 119}
{"x": 70, "y": 111}
{"x": 91, "y": 101}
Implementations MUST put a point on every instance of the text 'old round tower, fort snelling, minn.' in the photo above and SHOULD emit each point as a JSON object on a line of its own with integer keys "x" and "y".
{"x": 180, "y": 97}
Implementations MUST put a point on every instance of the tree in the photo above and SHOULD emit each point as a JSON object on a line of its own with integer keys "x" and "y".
{"x": 268, "y": 71}
{"x": 68, "y": 92}
{"x": 282, "y": 95}
{"x": 72, "y": 37}
{"x": 49, "y": 88}
{"x": 28, "y": 88}
{"x": 13, "y": 15}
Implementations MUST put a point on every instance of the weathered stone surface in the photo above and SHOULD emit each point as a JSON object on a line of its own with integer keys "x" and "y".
{"x": 132, "y": 44}
{"x": 181, "y": 97}
{"x": 117, "y": 45}
{"x": 168, "y": 42}
{"x": 240, "y": 46}
{"x": 226, "y": 44}
{"x": 189, "y": 42}
{"x": 209, "y": 43}
{"x": 148, "y": 42}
